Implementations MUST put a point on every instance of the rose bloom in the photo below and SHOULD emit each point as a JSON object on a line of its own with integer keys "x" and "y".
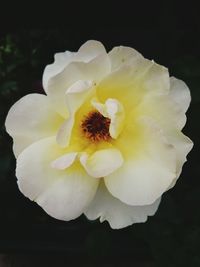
{"x": 106, "y": 138}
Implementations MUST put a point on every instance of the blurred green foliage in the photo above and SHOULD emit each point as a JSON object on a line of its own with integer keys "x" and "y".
{"x": 172, "y": 236}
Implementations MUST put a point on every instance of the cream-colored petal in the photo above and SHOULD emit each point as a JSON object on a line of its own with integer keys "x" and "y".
{"x": 61, "y": 60}
{"x": 86, "y": 52}
{"x": 180, "y": 93}
{"x": 162, "y": 109}
{"x": 31, "y": 118}
{"x": 63, "y": 194}
{"x": 102, "y": 162}
{"x": 93, "y": 70}
{"x": 91, "y": 49}
{"x": 121, "y": 55}
{"x": 113, "y": 110}
{"x": 130, "y": 83}
{"x": 146, "y": 172}
{"x": 65, "y": 161}
{"x": 118, "y": 214}
{"x": 76, "y": 95}
{"x": 183, "y": 146}
{"x": 156, "y": 80}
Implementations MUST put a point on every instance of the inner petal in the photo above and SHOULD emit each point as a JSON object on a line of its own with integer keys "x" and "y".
{"x": 102, "y": 162}
{"x": 113, "y": 110}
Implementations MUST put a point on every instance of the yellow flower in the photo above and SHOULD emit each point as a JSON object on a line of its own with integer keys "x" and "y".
{"x": 106, "y": 138}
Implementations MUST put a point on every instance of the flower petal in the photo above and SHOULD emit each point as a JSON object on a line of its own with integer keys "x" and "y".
{"x": 75, "y": 97}
{"x": 61, "y": 60}
{"x": 30, "y": 119}
{"x": 63, "y": 194}
{"x": 182, "y": 145}
{"x": 113, "y": 110}
{"x": 159, "y": 107}
{"x": 91, "y": 49}
{"x": 147, "y": 171}
{"x": 102, "y": 162}
{"x": 86, "y": 52}
{"x": 130, "y": 83}
{"x": 65, "y": 161}
{"x": 117, "y": 213}
{"x": 93, "y": 70}
{"x": 180, "y": 93}
{"x": 121, "y": 55}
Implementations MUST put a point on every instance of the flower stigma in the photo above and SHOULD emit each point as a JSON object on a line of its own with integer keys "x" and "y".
{"x": 95, "y": 127}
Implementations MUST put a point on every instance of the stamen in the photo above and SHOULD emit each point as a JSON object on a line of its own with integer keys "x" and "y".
{"x": 95, "y": 127}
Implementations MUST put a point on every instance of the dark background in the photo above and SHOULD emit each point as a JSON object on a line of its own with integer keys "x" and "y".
{"x": 170, "y": 36}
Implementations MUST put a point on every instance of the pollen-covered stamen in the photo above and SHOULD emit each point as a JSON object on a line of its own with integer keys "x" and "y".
{"x": 96, "y": 127}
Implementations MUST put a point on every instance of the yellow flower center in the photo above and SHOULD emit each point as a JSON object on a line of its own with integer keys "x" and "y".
{"x": 95, "y": 127}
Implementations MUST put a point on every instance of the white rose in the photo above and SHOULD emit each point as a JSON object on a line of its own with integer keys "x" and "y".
{"x": 106, "y": 138}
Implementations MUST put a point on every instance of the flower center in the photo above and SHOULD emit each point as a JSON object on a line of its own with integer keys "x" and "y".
{"x": 95, "y": 127}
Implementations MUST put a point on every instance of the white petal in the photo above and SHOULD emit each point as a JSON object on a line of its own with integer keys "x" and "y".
{"x": 123, "y": 55}
{"x": 65, "y": 161}
{"x": 63, "y": 194}
{"x": 130, "y": 83}
{"x": 102, "y": 162}
{"x": 64, "y": 133}
{"x": 165, "y": 111}
{"x": 87, "y": 52}
{"x": 61, "y": 60}
{"x": 180, "y": 93}
{"x": 146, "y": 175}
{"x": 156, "y": 79}
{"x": 117, "y": 213}
{"x": 77, "y": 94}
{"x": 183, "y": 146}
{"x": 93, "y": 70}
{"x": 30, "y": 119}
{"x": 91, "y": 49}
{"x": 75, "y": 97}
{"x": 113, "y": 110}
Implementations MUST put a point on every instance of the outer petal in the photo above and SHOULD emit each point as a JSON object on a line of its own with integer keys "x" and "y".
{"x": 61, "y": 60}
{"x": 121, "y": 55}
{"x": 93, "y": 70}
{"x": 130, "y": 83}
{"x": 146, "y": 172}
{"x": 87, "y": 52}
{"x": 169, "y": 113}
{"x": 180, "y": 93}
{"x": 90, "y": 50}
{"x": 182, "y": 145}
{"x": 161, "y": 108}
{"x": 30, "y": 119}
{"x": 63, "y": 194}
{"x": 117, "y": 213}
{"x": 102, "y": 162}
